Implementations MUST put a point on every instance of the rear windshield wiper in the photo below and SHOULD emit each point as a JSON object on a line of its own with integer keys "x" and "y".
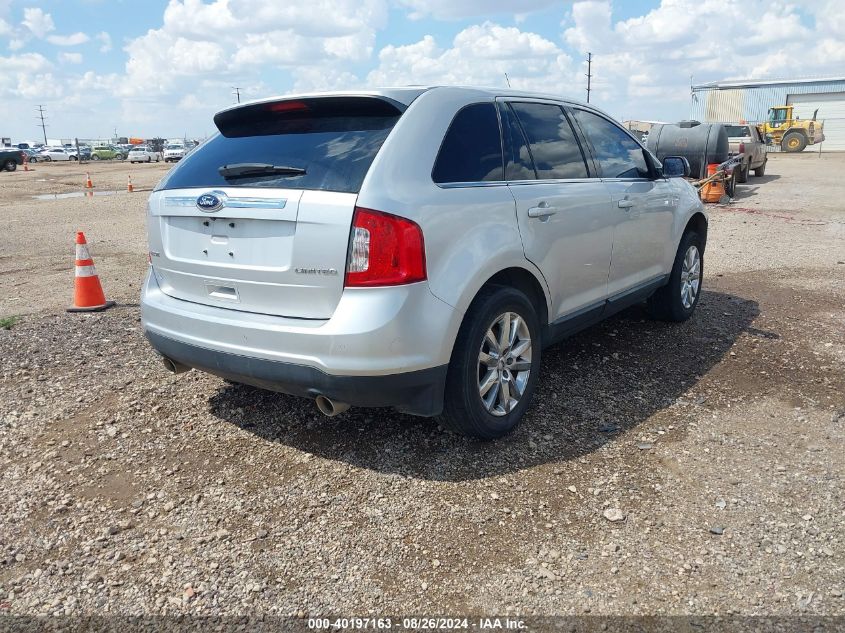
{"x": 246, "y": 170}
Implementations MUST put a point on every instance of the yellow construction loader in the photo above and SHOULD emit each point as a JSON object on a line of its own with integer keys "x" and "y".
{"x": 791, "y": 133}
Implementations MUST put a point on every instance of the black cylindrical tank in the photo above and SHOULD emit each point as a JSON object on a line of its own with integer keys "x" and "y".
{"x": 700, "y": 143}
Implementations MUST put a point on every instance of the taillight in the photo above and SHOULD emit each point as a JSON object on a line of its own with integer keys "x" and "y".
{"x": 742, "y": 148}
{"x": 384, "y": 250}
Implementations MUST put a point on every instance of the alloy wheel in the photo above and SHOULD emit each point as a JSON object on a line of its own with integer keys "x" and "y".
{"x": 504, "y": 363}
{"x": 690, "y": 276}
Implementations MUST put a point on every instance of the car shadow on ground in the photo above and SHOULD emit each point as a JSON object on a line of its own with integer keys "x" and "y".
{"x": 750, "y": 187}
{"x": 593, "y": 387}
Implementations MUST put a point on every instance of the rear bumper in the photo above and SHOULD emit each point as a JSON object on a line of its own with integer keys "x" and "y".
{"x": 416, "y": 392}
{"x": 383, "y": 346}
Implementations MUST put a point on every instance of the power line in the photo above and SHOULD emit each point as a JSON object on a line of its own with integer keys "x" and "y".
{"x": 43, "y": 125}
{"x": 589, "y": 75}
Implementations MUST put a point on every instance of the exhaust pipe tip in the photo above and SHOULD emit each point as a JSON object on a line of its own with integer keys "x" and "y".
{"x": 174, "y": 367}
{"x": 329, "y": 407}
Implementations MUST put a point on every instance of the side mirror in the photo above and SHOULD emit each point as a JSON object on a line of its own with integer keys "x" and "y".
{"x": 676, "y": 167}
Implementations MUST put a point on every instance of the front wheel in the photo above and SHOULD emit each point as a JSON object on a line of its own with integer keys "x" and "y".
{"x": 676, "y": 300}
{"x": 47, "y": 159}
{"x": 794, "y": 142}
{"x": 495, "y": 365}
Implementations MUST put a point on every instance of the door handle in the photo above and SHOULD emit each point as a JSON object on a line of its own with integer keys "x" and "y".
{"x": 541, "y": 212}
{"x": 626, "y": 204}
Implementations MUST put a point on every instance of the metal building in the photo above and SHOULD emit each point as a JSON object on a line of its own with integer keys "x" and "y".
{"x": 728, "y": 101}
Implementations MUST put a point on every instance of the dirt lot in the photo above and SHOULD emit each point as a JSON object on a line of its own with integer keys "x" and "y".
{"x": 720, "y": 441}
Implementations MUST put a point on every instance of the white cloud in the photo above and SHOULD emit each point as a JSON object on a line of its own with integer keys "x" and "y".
{"x": 239, "y": 38}
{"x": 480, "y": 54}
{"x": 645, "y": 62}
{"x": 70, "y": 58}
{"x": 455, "y": 9}
{"x": 38, "y": 22}
{"x": 28, "y": 75}
{"x": 68, "y": 40}
{"x": 105, "y": 41}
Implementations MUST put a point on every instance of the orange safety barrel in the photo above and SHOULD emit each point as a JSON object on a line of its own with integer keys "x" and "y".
{"x": 712, "y": 191}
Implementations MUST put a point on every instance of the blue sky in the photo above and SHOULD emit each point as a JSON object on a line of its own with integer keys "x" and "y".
{"x": 159, "y": 67}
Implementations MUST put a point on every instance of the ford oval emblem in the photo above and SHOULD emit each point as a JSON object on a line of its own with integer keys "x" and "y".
{"x": 209, "y": 202}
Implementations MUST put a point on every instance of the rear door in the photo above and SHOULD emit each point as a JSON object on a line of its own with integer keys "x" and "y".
{"x": 258, "y": 218}
{"x": 562, "y": 209}
{"x": 641, "y": 202}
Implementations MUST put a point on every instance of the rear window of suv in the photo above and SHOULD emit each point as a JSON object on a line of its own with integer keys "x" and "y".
{"x": 333, "y": 139}
{"x": 737, "y": 131}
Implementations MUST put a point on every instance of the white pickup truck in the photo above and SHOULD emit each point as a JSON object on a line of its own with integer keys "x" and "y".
{"x": 745, "y": 139}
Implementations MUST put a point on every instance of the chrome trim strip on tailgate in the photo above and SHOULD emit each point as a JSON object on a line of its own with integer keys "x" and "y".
{"x": 229, "y": 202}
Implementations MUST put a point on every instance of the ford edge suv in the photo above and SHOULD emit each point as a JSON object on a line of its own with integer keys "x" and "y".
{"x": 413, "y": 248}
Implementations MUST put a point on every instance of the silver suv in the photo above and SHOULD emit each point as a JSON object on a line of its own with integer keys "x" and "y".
{"x": 412, "y": 248}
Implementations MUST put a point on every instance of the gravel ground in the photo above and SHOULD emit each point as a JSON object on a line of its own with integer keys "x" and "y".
{"x": 662, "y": 469}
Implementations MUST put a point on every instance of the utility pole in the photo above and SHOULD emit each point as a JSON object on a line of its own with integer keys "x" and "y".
{"x": 508, "y": 79}
{"x": 237, "y": 92}
{"x": 43, "y": 125}
{"x": 589, "y": 75}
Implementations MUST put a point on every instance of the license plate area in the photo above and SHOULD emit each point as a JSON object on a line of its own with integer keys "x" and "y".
{"x": 226, "y": 242}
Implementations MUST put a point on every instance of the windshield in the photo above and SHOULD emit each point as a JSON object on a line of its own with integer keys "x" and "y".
{"x": 174, "y": 147}
{"x": 736, "y": 131}
{"x": 777, "y": 116}
{"x": 325, "y": 143}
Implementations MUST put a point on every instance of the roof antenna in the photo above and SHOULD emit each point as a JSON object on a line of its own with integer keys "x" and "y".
{"x": 508, "y": 80}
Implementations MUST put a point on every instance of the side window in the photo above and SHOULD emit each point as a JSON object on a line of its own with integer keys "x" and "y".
{"x": 472, "y": 148}
{"x": 619, "y": 155}
{"x": 552, "y": 141}
{"x": 518, "y": 163}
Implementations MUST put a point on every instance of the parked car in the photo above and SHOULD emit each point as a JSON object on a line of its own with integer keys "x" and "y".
{"x": 57, "y": 153}
{"x": 107, "y": 152}
{"x": 745, "y": 139}
{"x": 143, "y": 154}
{"x": 85, "y": 152}
{"x": 174, "y": 153}
{"x": 399, "y": 248}
{"x": 32, "y": 155}
{"x": 10, "y": 158}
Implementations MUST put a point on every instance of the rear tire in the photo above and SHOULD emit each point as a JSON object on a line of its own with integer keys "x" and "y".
{"x": 794, "y": 142}
{"x": 10, "y": 165}
{"x": 761, "y": 171}
{"x": 95, "y": 157}
{"x": 742, "y": 173}
{"x": 491, "y": 379}
{"x": 676, "y": 300}
{"x": 47, "y": 159}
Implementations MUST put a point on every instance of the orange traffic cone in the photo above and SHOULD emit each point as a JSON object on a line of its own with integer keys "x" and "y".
{"x": 87, "y": 292}
{"x": 25, "y": 162}
{"x": 88, "y": 183}
{"x": 129, "y": 186}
